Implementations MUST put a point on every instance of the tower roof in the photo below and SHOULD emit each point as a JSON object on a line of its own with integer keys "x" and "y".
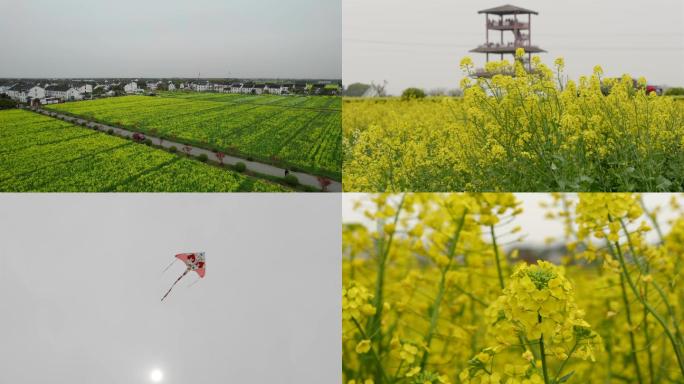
{"x": 507, "y": 10}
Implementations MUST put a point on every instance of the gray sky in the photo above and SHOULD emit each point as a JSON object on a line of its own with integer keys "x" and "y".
{"x": 535, "y": 227}
{"x": 80, "y": 284}
{"x": 166, "y": 38}
{"x": 420, "y": 43}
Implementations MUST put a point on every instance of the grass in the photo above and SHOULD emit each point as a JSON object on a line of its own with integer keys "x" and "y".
{"x": 300, "y": 133}
{"x": 39, "y": 153}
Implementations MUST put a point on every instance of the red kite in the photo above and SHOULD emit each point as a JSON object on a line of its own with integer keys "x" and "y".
{"x": 194, "y": 262}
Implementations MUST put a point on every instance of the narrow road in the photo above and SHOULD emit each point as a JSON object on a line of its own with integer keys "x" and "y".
{"x": 266, "y": 169}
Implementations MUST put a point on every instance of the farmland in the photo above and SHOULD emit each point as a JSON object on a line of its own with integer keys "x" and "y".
{"x": 38, "y": 153}
{"x": 430, "y": 294}
{"x": 298, "y": 132}
{"x": 524, "y": 133}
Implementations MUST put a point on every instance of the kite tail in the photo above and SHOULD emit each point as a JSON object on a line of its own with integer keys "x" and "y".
{"x": 194, "y": 282}
{"x": 169, "y": 266}
{"x": 174, "y": 283}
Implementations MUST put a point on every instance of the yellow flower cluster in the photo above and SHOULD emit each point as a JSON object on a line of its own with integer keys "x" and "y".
{"x": 519, "y": 129}
{"x": 596, "y": 211}
{"x": 356, "y": 302}
{"x": 438, "y": 299}
{"x": 537, "y": 306}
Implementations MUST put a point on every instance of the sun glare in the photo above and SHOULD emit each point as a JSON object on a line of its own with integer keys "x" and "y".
{"x": 156, "y": 376}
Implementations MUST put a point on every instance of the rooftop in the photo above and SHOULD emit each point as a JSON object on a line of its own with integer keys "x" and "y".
{"x": 508, "y": 10}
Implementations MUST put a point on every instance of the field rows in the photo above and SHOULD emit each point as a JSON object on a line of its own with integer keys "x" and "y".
{"x": 312, "y": 102}
{"x": 297, "y": 132}
{"x": 42, "y": 154}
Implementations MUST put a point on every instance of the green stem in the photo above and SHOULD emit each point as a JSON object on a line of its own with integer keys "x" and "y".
{"x": 396, "y": 374}
{"x": 496, "y": 256}
{"x": 647, "y": 336}
{"x": 632, "y": 342}
{"x": 663, "y": 324}
{"x": 375, "y": 355}
{"x": 376, "y": 320}
{"x": 651, "y": 217}
{"x": 560, "y": 370}
{"x": 658, "y": 288}
{"x": 441, "y": 289}
{"x": 545, "y": 369}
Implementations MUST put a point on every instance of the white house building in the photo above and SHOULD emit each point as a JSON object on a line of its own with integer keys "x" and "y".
{"x": 131, "y": 87}
{"x": 63, "y": 92}
{"x": 18, "y": 92}
{"x": 259, "y": 88}
{"x": 202, "y": 87}
{"x": 285, "y": 89}
{"x": 84, "y": 88}
{"x": 73, "y": 94}
{"x": 172, "y": 87}
{"x": 58, "y": 91}
{"x": 235, "y": 87}
{"x": 36, "y": 92}
{"x": 247, "y": 88}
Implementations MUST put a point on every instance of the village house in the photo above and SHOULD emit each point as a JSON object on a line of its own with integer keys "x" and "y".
{"x": 83, "y": 87}
{"x": 273, "y": 89}
{"x": 63, "y": 92}
{"x": 131, "y": 87}
{"x": 152, "y": 86}
{"x": 202, "y": 87}
{"x": 172, "y": 86}
{"x": 247, "y": 88}
{"x": 236, "y": 88}
{"x": 258, "y": 88}
{"x": 36, "y": 92}
{"x": 286, "y": 88}
{"x": 19, "y": 92}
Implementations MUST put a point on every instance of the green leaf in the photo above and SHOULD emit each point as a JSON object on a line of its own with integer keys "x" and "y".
{"x": 663, "y": 183}
{"x": 565, "y": 378}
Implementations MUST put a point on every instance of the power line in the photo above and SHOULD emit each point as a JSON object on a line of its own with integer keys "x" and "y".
{"x": 570, "y": 47}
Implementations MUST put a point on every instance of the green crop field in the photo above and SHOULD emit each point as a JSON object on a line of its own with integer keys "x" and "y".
{"x": 38, "y": 153}
{"x": 302, "y": 133}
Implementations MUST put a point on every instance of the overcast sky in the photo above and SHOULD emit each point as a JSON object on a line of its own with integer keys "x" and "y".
{"x": 420, "y": 43}
{"x": 535, "y": 227}
{"x": 167, "y": 38}
{"x": 81, "y": 282}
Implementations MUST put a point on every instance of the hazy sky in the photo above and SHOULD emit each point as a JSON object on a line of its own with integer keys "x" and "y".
{"x": 535, "y": 227}
{"x": 420, "y": 43}
{"x": 81, "y": 282}
{"x": 165, "y": 38}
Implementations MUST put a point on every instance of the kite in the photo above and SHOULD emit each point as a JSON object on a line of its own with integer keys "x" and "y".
{"x": 193, "y": 261}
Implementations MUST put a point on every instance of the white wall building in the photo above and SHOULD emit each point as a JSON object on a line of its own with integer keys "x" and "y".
{"x": 63, "y": 92}
{"x": 131, "y": 87}
{"x": 73, "y": 94}
{"x": 274, "y": 89}
{"x": 18, "y": 92}
{"x": 36, "y": 92}
{"x": 84, "y": 88}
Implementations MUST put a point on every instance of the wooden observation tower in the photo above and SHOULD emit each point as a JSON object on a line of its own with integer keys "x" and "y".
{"x": 510, "y": 18}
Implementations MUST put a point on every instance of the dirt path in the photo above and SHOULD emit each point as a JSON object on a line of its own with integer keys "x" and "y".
{"x": 266, "y": 169}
